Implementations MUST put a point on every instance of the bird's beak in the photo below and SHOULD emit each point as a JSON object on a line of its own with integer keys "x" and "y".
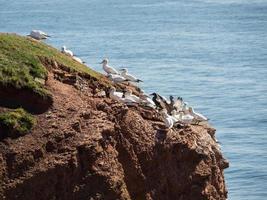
{"x": 101, "y": 62}
{"x": 150, "y": 94}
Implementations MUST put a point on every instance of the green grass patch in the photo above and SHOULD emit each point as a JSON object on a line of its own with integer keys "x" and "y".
{"x": 16, "y": 123}
{"x": 20, "y": 63}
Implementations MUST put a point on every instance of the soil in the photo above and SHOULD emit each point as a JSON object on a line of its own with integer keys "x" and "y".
{"x": 87, "y": 146}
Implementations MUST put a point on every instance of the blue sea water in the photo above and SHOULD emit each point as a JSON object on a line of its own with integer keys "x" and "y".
{"x": 211, "y": 52}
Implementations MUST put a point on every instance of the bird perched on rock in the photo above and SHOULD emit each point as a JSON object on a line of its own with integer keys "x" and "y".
{"x": 117, "y": 96}
{"x": 38, "y": 35}
{"x": 116, "y": 78}
{"x": 176, "y": 104}
{"x": 197, "y": 116}
{"x": 66, "y": 51}
{"x": 168, "y": 120}
{"x": 108, "y": 69}
{"x": 129, "y": 95}
{"x": 129, "y": 77}
{"x": 145, "y": 100}
{"x": 158, "y": 101}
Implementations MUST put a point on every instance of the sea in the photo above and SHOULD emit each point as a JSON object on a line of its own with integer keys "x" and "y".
{"x": 213, "y": 53}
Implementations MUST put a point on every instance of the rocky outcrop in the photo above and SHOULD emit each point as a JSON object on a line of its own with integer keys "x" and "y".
{"x": 87, "y": 146}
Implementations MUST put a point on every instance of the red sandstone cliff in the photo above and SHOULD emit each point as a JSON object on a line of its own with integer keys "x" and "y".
{"x": 90, "y": 147}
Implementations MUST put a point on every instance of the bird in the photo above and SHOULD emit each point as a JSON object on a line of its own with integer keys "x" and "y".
{"x": 130, "y": 77}
{"x": 197, "y": 116}
{"x": 185, "y": 108}
{"x": 186, "y": 118}
{"x": 38, "y": 35}
{"x": 168, "y": 120}
{"x": 146, "y": 100}
{"x": 116, "y": 78}
{"x": 108, "y": 69}
{"x": 177, "y": 104}
{"x": 129, "y": 95}
{"x": 113, "y": 94}
{"x": 157, "y": 100}
{"x": 78, "y": 59}
{"x": 66, "y": 51}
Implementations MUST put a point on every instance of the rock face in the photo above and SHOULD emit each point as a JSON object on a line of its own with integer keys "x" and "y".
{"x": 90, "y": 147}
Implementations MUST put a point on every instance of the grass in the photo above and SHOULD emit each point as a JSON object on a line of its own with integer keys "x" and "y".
{"x": 20, "y": 63}
{"x": 16, "y": 123}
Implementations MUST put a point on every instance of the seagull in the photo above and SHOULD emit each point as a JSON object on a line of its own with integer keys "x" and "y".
{"x": 130, "y": 77}
{"x": 168, "y": 120}
{"x": 107, "y": 68}
{"x": 116, "y": 78}
{"x": 66, "y": 51}
{"x": 129, "y": 95}
{"x": 78, "y": 60}
{"x": 38, "y": 35}
{"x": 197, "y": 116}
{"x": 117, "y": 96}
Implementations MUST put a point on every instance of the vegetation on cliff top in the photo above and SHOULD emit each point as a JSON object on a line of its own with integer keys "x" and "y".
{"x": 21, "y": 66}
{"x": 16, "y": 123}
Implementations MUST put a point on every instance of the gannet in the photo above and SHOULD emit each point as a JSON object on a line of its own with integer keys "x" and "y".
{"x": 38, "y": 35}
{"x": 185, "y": 108}
{"x": 128, "y": 95}
{"x": 146, "y": 100}
{"x": 168, "y": 120}
{"x": 186, "y": 118}
{"x": 129, "y": 77}
{"x": 116, "y": 78}
{"x": 78, "y": 60}
{"x": 107, "y": 68}
{"x": 177, "y": 104}
{"x": 66, "y": 51}
{"x": 117, "y": 96}
{"x": 157, "y": 100}
{"x": 197, "y": 116}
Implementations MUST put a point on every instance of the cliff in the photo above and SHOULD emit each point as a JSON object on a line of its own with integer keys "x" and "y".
{"x": 83, "y": 145}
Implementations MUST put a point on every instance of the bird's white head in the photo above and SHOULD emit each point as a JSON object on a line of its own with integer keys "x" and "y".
{"x": 63, "y": 48}
{"x": 104, "y": 61}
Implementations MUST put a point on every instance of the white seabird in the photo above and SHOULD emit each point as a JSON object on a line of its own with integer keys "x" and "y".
{"x": 168, "y": 120}
{"x": 107, "y": 68}
{"x": 117, "y": 96}
{"x": 116, "y": 78}
{"x": 129, "y": 77}
{"x": 66, "y": 51}
{"x": 146, "y": 100}
{"x": 129, "y": 95}
{"x": 78, "y": 59}
{"x": 197, "y": 116}
{"x": 38, "y": 35}
{"x": 182, "y": 117}
{"x": 186, "y": 118}
{"x": 177, "y": 104}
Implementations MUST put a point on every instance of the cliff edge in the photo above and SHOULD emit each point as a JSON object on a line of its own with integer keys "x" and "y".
{"x": 80, "y": 144}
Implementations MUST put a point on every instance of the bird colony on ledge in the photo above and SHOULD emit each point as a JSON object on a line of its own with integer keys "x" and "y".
{"x": 173, "y": 111}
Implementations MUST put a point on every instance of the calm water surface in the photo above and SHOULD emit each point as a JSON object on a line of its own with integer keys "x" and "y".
{"x": 211, "y": 52}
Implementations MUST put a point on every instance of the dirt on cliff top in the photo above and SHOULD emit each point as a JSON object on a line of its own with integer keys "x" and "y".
{"x": 87, "y": 146}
